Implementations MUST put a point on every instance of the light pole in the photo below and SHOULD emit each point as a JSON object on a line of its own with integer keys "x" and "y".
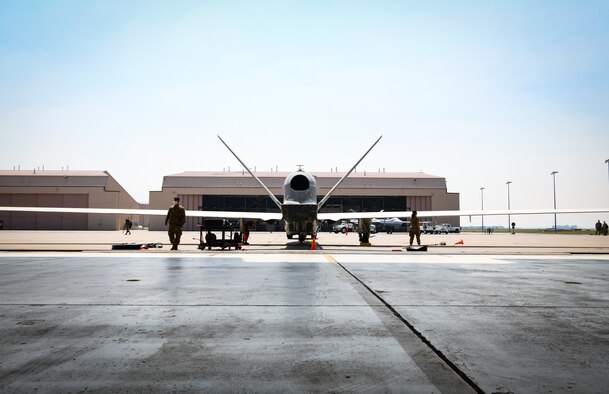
{"x": 553, "y": 173}
{"x": 482, "y": 202}
{"x": 607, "y": 162}
{"x": 509, "y": 221}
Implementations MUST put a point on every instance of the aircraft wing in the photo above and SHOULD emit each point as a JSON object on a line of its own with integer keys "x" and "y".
{"x": 407, "y": 214}
{"x": 154, "y": 212}
{"x": 329, "y": 194}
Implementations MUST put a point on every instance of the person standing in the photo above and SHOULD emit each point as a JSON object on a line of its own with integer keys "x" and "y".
{"x": 415, "y": 228}
{"x": 364, "y": 227}
{"x": 244, "y": 227}
{"x": 599, "y": 228}
{"x": 127, "y": 226}
{"x": 175, "y": 219}
{"x": 605, "y": 228}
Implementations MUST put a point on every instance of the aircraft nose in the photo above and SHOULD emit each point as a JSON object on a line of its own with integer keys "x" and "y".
{"x": 299, "y": 183}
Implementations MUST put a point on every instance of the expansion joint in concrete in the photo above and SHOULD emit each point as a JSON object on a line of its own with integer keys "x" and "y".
{"x": 466, "y": 379}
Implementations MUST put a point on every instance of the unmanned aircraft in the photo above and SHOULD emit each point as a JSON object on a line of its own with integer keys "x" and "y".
{"x": 300, "y": 209}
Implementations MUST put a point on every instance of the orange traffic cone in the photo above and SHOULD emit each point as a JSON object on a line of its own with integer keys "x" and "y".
{"x": 459, "y": 243}
{"x": 313, "y": 246}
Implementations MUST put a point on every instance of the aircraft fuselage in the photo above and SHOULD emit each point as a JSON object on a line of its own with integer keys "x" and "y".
{"x": 299, "y": 208}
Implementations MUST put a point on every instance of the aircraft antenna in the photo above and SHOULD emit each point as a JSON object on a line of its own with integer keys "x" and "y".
{"x": 275, "y": 200}
{"x": 327, "y": 196}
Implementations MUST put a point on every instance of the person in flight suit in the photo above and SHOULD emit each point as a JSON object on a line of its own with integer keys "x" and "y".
{"x": 415, "y": 228}
{"x": 364, "y": 228}
{"x": 244, "y": 227}
{"x": 176, "y": 217}
{"x": 127, "y": 226}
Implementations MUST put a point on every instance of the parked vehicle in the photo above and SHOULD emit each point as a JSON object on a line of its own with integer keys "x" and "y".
{"x": 450, "y": 228}
{"x": 352, "y": 226}
{"x": 427, "y": 227}
{"x": 440, "y": 229}
{"x": 444, "y": 228}
{"x": 341, "y": 227}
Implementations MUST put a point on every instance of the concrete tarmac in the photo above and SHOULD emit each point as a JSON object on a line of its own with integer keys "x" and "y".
{"x": 470, "y": 243}
{"x": 283, "y": 318}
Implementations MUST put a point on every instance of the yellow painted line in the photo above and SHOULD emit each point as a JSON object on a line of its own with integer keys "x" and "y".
{"x": 330, "y": 259}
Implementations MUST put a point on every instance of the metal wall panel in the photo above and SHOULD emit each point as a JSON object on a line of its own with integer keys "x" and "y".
{"x": 191, "y": 202}
{"x": 48, "y": 220}
{"x": 44, "y": 220}
{"x": 75, "y": 221}
{"x": 419, "y": 203}
{"x": 24, "y": 220}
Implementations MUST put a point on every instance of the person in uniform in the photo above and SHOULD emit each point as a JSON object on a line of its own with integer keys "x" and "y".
{"x": 599, "y": 228}
{"x": 210, "y": 239}
{"x": 127, "y": 226}
{"x": 415, "y": 228}
{"x": 176, "y": 217}
{"x": 244, "y": 227}
{"x": 605, "y": 228}
{"x": 364, "y": 230}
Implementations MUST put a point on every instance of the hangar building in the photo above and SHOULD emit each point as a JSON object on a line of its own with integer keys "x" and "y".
{"x": 63, "y": 189}
{"x": 215, "y": 191}
{"x": 238, "y": 191}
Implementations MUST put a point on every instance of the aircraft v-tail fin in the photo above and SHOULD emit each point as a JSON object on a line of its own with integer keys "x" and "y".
{"x": 327, "y": 196}
{"x": 275, "y": 200}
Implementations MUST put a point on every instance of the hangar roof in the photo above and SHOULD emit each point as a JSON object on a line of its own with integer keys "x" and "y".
{"x": 54, "y": 178}
{"x": 283, "y": 174}
{"x": 210, "y": 179}
{"x": 63, "y": 179}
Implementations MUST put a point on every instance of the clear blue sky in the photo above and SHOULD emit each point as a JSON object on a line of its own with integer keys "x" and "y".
{"x": 479, "y": 92}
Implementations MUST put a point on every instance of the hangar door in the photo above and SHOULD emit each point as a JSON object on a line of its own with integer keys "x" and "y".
{"x": 44, "y": 220}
